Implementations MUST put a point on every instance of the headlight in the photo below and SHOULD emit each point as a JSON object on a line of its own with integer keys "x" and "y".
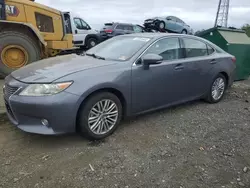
{"x": 44, "y": 89}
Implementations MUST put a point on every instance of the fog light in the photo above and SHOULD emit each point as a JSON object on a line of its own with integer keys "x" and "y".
{"x": 45, "y": 122}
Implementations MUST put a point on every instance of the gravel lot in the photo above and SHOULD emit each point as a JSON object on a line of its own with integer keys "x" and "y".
{"x": 189, "y": 146}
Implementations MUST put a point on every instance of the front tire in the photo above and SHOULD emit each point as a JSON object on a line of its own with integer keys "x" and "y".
{"x": 184, "y": 31}
{"x": 100, "y": 116}
{"x": 217, "y": 89}
{"x": 17, "y": 50}
{"x": 161, "y": 25}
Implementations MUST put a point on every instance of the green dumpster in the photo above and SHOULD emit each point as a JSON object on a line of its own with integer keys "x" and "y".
{"x": 235, "y": 42}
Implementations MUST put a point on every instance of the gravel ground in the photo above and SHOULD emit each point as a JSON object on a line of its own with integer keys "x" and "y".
{"x": 188, "y": 146}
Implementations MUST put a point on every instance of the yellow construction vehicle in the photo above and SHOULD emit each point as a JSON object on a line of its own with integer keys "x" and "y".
{"x": 30, "y": 31}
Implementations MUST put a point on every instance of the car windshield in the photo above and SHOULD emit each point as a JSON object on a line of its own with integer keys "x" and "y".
{"x": 120, "y": 48}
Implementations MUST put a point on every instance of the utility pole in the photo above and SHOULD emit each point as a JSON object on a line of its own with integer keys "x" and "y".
{"x": 222, "y": 13}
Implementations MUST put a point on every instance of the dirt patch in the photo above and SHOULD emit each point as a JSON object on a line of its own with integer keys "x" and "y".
{"x": 188, "y": 146}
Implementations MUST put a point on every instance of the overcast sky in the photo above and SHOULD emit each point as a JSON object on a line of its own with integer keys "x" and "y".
{"x": 198, "y": 14}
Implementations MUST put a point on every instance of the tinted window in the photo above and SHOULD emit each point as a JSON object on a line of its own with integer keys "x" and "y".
{"x": 108, "y": 26}
{"x": 128, "y": 27}
{"x": 44, "y": 23}
{"x": 210, "y": 50}
{"x": 168, "y": 48}
{"x": 120, "y": 27}
{"x": 119, "y": 48}
{"x": 194, "y": 48}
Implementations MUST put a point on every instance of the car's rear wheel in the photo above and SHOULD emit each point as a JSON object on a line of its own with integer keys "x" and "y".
{"x": 100, "y": 115}
{"x": 217, "y": 89}
{"x": 91, "y": 42}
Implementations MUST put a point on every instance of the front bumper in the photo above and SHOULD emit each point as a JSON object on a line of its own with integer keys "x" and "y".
{"x": 151, "y": 24}
{"x": 27, "y": 112}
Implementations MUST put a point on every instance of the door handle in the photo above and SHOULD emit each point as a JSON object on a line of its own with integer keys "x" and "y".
{"x": 76, "y": 32}
{"x": 213, "y": 61}
{"x": 179, "y": 67}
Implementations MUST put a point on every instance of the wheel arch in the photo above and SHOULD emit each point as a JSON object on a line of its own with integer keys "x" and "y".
{"x": 112, "y": 90}
{"x": 184, "y": 29}
{"x": 226, "y": 76}
{"x": 91, "y": 36}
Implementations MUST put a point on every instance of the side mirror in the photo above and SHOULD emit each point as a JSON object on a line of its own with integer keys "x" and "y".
{"x": 151, "y": 59}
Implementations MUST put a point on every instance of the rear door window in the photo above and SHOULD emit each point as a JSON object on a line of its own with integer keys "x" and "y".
{"x": 194, "y": 48}
{"x": 120, "y": 27}
{"x": 129, "y": 27}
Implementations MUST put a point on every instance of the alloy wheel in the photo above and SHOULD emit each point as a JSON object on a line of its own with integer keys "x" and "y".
{"x": 103, "y": 116}
{"x": 218, "y": 88}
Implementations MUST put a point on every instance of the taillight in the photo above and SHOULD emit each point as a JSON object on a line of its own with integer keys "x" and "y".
{"x": 108, "y": 30}
{"x": 234, "y": 59}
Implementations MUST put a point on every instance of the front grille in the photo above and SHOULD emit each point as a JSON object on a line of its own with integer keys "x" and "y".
{"x": 9, "y": 111}
{"x": 9, "y": 90}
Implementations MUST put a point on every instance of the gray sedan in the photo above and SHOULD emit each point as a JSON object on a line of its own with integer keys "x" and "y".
{"x": 121, "y": 77}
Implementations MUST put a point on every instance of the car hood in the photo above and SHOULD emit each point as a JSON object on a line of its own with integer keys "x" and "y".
{"x": 51, "y": 69}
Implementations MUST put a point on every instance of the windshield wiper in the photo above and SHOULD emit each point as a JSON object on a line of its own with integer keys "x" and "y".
{"x": 95, "y": 56}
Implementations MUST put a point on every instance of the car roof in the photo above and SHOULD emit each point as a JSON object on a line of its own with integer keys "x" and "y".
{"x": 158, "y": 35}
{"x": 116, "y": 23}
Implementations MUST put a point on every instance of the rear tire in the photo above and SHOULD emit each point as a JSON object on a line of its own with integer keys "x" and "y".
{"x": 91, "y": 42}
{"x": 87, "y": 118}
{"x": 215, "y": 96}
{"x": 14, "y": 45}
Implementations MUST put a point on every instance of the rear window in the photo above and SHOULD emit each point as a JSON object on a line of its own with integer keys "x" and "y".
{"x": 108, "y": 24}
{"x": 120, "y": 48}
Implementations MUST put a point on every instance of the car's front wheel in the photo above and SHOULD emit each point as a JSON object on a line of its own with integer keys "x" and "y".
{"x": 184, "y": 31}
{"x": 161, "y": 25}
{"x": 100, "y": 115}
{"x": 217, "y": 89}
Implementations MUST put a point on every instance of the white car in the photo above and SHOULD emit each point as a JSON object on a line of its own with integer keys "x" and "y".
{"x": 83, "y": 35}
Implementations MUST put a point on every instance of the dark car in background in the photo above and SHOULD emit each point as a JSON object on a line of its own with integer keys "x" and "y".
{"x": 110, "y": 30}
